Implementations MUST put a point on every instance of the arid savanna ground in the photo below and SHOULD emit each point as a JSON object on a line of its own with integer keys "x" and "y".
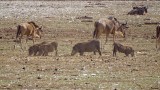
{"x": 62, "y": 22}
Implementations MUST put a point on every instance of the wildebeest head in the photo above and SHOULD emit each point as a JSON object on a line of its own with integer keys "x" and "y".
{"x": 39, "y": 32}
{"x": 122, "y": 29}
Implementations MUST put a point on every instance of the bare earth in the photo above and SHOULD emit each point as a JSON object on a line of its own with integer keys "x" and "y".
{"x": 63, "y": 22}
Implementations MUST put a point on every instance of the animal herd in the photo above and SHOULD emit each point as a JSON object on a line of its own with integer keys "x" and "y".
{"x": 103, "y": 26}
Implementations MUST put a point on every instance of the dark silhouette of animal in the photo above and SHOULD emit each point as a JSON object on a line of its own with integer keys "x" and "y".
{"x": 34, "y": 49}
{"x": 46, "y": 48}
{"x": 138, "y": 10}
{"x": 90, "y": 46}
{"x": 158, "y": 37}
{"x": 30, "y": 29}
{"x": 109, "y": 26}
{"x": 43, "y": 49}
{"x": 123, "y": 49}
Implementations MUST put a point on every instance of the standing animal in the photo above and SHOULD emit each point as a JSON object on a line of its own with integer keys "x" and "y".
{"x": 30, "y": 29}
{"x": 138, "y": 10}
{"x": 46, "y": 48}
{"x": 108, "y": 26}
{"x": 158, "y": 37}
{"x": 34, "y": 49}
{"x": 90, "y": 46}
{"x": 123, "y": 49}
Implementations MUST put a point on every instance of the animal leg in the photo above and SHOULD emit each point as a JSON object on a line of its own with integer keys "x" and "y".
{"x": 81, "y": 53}
{"x": 94, "y": 53}
{"x": 33, "y": 39}
{"x": 99, "y": 51}
{"x": 107, "y": 34}
{"x": 126, "y": 54}
{"x": 56, "y": 52}
{"x": 114, "y": 52}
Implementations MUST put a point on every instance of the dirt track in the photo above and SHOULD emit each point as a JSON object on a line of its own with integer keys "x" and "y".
{"x": 63, "y": 22}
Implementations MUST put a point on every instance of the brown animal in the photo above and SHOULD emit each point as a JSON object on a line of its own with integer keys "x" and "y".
{"x": 91, "y": 46}
{"x": 123, "y": 49}
{"x": 46, "y": 48}
{"x": 34, "y": 50}
{"x": 109, "y": 26}
{"x": 158, "y": 37}
{"x": 30, "y": 29}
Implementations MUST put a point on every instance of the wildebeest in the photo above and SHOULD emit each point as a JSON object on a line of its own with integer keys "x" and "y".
{"x": 30, "y": 29}
{"x": 90, "y": 46}
{"x": 158, "y": 37}
{"x": 108, "y": 26}
{"x": 43, "y": 49}
{"x": 123, "y": 49}
{"x": 138, "y": 10}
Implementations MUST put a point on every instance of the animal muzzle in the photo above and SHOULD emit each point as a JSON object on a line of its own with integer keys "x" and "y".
{"x": 73, "y": 53}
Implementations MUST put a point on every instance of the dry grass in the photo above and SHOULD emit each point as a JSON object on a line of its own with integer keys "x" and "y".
{"x": 88, "y": 72}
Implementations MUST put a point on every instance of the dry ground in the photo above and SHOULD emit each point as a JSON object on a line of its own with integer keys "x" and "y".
{"x": 62, "y": 23}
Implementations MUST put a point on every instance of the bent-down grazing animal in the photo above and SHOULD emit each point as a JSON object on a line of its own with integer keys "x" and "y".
{"x": 138, "y": 10}
{"x": 43, "y": 49}
{"x": 46, "y": 48}
{"x": 34, "y": 49}
{"x": 108, "y": 26}
{"x": 30, "y": 29}
{"x": 123, "y": 49}
{"x": 90, "y": 46}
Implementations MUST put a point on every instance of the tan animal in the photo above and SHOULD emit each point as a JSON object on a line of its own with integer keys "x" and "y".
{"x": 109, "y": 26}
{"x": 91, "y": 46}
{"x": 123, "y": 49}
{"x": 30, "y": 29}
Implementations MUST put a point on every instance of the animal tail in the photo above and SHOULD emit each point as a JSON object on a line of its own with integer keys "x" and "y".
{"x": 18, "y": 31}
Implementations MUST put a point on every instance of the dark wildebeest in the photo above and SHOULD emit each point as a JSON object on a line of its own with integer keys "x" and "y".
{"x": 90, "y": 46}
{"x": 158, "y": 37}
{"x": 123, "y": 49}
{"x": 108, "y": 26}
{"x": 34, "y": 49}
{"x": 138, "y": 10}
{"x": 43, "y": 49}
{"x": 30, "y": 29}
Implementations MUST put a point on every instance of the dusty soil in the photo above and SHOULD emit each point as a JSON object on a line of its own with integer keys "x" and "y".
{"x": 70, "y": 22}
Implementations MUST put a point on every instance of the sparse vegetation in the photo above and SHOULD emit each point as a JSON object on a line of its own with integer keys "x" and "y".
{"x": 88, "y": 72}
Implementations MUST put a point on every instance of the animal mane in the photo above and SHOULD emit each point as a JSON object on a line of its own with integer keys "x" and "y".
{"x": 33, "y": 23}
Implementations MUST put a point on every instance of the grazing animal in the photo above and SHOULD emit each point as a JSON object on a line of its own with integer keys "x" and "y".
{"x": 90, "y": 46}
{"x": 158, "y": 37}
{"x": 34, "y": 50}
{"x": 46, "y": 48}
{"x": 30, "y": 29}
{"x": 43, "y": 49}
{"x": 138, "y": 10}
{"x": 108, "y": 26}
{"x": 123, "y": 49}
